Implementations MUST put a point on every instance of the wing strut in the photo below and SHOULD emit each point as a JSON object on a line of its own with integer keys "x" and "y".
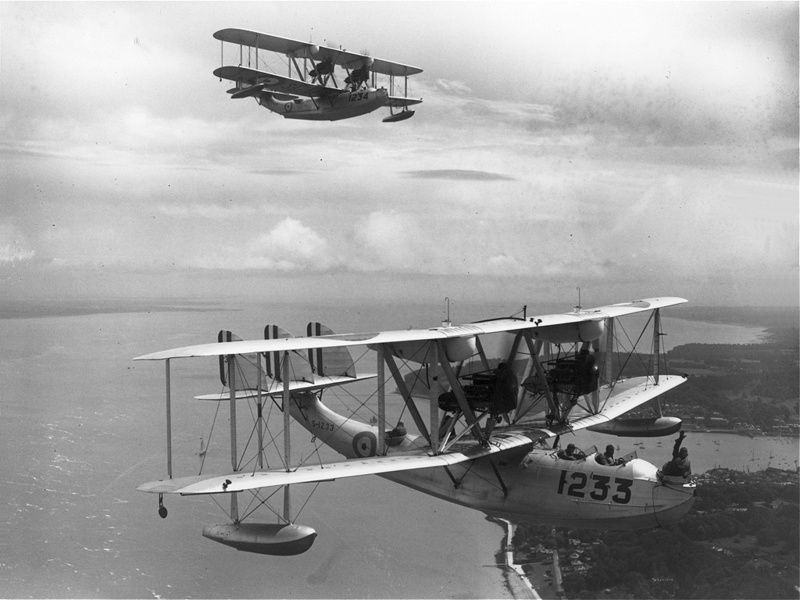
{"x": 458, "y": 391}
{"x": 169, "y": 424}
{"x": 234, "y": 451}
{"x": 381, "y": 403}
{"x": 287, "y": 446}
{"x": 401, "y": 386}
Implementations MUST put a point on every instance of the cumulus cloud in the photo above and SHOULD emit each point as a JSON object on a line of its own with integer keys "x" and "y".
{"x": 290, "y": 246}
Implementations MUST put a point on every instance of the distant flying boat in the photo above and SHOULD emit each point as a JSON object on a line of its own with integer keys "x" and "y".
{"x": 311, "y": 90}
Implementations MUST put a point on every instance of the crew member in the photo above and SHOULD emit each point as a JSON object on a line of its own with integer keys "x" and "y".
{"x": 679, "y": 465}
{"x": 571, "y": 453}
{"x": 607, "y": 458}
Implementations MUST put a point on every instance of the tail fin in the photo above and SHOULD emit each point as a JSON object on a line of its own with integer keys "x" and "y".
{"x": 329, "y": 361}
{"x": 300, "y": 368}
{"x": 247, "y": 373}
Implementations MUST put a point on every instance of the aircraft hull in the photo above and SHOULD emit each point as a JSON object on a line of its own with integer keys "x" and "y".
{"x": 544, "y": 489}
{"x": 539, "y": 486}
{"x": 341, "y": 106}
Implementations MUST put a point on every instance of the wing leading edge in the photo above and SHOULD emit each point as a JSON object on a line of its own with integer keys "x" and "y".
{"x": 536, "y": 323}
{"x": 376, "y": 465}
{"x": 298, "y": 49}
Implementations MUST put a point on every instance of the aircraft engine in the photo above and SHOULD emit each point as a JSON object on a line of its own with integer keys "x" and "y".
{"x": 574, "y": 375}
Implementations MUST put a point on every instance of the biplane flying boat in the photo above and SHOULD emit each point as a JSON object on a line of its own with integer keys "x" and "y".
{"x": 322, "y": 83}
{"x": 489, "y": 400}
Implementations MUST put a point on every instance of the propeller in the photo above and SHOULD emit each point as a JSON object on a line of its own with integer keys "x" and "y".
{"x": 324, "y": 67}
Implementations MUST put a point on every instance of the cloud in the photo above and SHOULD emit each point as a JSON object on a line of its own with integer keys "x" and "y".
{"x": 208, "y": 211}
{"x": 450, "y": 86}
{"x": 388, "y": 239}
{"x": 458, "y": 174}
{"x": 290, "y": 246}
{"x": 14, "y": 247}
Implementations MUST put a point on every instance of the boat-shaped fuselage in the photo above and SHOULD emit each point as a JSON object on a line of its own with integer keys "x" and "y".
{"x": 534, "y": 486}
{"x": 341, "y": 105}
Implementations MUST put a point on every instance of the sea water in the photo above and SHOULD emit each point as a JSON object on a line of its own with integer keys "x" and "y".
{"x": 81, "y": 425}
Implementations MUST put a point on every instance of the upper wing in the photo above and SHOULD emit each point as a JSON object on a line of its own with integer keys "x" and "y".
{"x": 298, "y": 49}
{"x": 271, "y": 81}
{"x": 271, "y": 43}
{"x": 388, "y": 67}
{"x": 237, "y": 482}
{"x": 540, "y": 324}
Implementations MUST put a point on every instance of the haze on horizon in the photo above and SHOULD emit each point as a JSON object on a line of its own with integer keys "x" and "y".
{"x": 632, "y": 149}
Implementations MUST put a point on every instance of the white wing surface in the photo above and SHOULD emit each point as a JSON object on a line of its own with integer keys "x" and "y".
{"x": 240, "y": 481}
{"x": 535, "y": 324}
{"x": 272, "y": 81}
{"x": 625, "y": 395}
{"x": 298, "y": 49}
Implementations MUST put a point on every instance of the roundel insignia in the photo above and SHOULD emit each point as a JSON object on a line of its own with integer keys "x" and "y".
{"x": 365, "y": 444}
{"x": 288, "y": 107}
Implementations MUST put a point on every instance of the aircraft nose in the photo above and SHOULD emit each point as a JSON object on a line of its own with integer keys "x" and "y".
{"x": 677, "y": 501}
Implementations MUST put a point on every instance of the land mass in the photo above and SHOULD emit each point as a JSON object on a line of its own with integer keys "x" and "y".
{"x": 740, "y": 539}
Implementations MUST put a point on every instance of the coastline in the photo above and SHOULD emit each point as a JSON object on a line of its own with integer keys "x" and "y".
{"x": 536, "y": 584}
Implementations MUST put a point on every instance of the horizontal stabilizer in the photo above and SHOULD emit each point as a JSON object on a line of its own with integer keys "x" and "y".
{"x": 276, "y": 389}
{"x": 248, "y": 91}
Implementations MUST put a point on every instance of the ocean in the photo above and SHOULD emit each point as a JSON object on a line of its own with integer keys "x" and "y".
{"x": 82, "y": 425}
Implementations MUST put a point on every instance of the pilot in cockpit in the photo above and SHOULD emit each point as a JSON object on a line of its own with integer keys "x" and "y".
{"x": 572, "y": 452}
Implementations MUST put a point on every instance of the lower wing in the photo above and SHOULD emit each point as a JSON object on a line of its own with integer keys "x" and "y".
{"x": 271, "y": 81}
{"x": 402, "y": 101}
{"x": 240, "y": 481}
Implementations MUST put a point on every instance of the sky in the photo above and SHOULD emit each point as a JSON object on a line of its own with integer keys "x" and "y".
{"x": 631, "y": 149}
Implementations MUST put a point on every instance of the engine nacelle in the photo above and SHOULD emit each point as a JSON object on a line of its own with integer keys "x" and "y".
{"x": 576, "y": 375}
{"x": 584, "y": 331}
{"x": 456, "y": 349}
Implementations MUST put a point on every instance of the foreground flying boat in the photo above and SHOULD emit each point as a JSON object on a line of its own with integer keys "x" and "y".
{"x": 491, "y": 435}
{"x": 322, "y": 84}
